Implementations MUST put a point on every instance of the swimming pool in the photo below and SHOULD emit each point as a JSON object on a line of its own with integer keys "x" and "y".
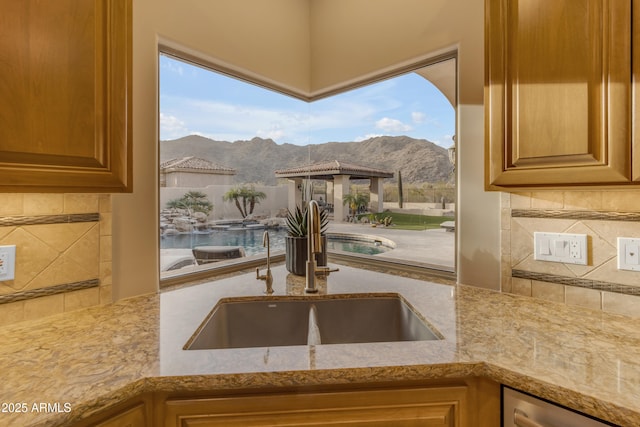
{"x": 358, "y": 243}
{"x": 251, "y": 240}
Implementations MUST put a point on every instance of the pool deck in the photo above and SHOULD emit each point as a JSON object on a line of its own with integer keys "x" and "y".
{"x": 434, "y": 246}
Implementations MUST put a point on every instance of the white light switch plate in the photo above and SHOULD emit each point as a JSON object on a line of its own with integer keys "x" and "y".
{"x": 628, "y": 257}
{"x": 7, "y": 262}
{"x": 560, "y": 247}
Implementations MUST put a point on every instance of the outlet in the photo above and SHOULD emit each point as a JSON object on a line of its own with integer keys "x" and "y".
{"x": 628, "y": 257}
{"x": 574, "y": 249}
{"x": 7, "y": 262}
{"x": 560, "y": 247}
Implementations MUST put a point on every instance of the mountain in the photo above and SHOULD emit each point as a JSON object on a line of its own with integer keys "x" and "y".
{"x": 256, "y": 160}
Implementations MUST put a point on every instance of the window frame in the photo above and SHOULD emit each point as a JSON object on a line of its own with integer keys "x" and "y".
{"x": 223, "y": 269}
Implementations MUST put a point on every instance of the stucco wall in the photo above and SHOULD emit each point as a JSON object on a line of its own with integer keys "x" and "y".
{"x": 195, "y": 180}
{"x": 272, "y": 205}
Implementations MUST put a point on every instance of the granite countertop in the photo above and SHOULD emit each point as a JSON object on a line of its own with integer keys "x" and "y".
{"x": 91, "y": 359}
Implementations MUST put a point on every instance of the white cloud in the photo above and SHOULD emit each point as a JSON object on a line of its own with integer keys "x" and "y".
{"x": 275, "y": 133}
{"x": 225, "y": 120}
{"x": 389, "y": 125}
{"x": 173, "y": 66}
{"x": 418, "y": 117}
{"x": 445, "y": 141}
{"x": 231, "y": 122}
{"x": 339, "y": 113}
{"x": 368, "y": 136}
{"x": 172, "y": 127}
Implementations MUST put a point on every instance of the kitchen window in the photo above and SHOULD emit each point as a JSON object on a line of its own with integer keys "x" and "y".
{"x": 235, "y": 156}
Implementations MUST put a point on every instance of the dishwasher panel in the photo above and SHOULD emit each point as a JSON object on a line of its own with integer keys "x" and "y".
{"x": 523, "y": 410}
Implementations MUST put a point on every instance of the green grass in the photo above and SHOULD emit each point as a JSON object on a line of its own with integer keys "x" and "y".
{"x": 405, "y": 221}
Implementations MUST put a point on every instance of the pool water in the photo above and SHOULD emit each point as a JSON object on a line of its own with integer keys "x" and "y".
{"x": 251, "y": 241}
{"x": 249, "y": 238}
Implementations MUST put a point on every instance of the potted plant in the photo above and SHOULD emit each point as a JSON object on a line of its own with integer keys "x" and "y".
{"x": 296, "y": 240}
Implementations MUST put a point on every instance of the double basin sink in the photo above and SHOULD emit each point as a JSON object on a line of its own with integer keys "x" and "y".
{"x": 291, "y": 321}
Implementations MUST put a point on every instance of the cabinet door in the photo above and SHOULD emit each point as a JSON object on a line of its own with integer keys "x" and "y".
{"x": 557, "y": 92}
{"x": 133, "y": 417}
{"x": 65, "y": 95}
{"x": 442, "y": 407}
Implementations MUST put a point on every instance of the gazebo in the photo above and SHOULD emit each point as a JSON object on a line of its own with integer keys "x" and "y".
{"x": 337, "y": 174}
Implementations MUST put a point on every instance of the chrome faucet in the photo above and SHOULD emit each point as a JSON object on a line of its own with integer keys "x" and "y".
{"x": 267, "y": 277}
{"x": 314, "y": 246}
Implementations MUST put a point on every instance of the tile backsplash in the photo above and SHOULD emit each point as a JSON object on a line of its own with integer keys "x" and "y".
{"x": 603, "y": 216}
{"x": 63, "y": 253}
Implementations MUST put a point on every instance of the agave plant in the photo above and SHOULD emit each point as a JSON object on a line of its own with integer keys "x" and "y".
{"x": 297, "y": 222}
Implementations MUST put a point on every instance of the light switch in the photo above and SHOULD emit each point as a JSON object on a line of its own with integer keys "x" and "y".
{"x": 544, "y": 248}
{"x": 560, "y": 247}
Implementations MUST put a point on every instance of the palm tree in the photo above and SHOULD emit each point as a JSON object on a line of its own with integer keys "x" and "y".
{"x": 235, "y": 194}
{"x": 254, "y": 196}
{"x": 245, "y": 198}
{"x": 354, "y": 201}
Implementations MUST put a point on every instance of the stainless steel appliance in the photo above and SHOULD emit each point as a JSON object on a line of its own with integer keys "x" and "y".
{"x": 523, "y": 410}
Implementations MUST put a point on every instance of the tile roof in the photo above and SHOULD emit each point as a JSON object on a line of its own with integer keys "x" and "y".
{"x": 328, "y": 169}
{"x": 194, "y": 164}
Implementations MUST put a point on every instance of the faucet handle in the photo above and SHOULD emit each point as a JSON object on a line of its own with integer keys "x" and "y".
{"x": 326, "y": 270}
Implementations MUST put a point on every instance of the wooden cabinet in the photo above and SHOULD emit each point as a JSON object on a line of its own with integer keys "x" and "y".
{"x": 450, "y": 405}
{"x": 466, "y": 402}
{"x": 65, "y": 95}
{"x": 133, "y": 417}
{"x": 134, "y": 412}
{"x": 558, "y": 93}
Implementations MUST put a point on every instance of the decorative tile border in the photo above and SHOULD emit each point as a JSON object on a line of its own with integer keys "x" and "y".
{"x": 568, "y": 214}
{"x": 48, "y": 219}
{"x": 578, "y": 282}
{"x": 51, "y": 290}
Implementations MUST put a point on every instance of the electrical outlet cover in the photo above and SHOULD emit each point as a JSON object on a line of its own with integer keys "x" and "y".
{"x": 628, "y": 256}
{"x": 7, "y": 262}
{"x": 564, "y": 248}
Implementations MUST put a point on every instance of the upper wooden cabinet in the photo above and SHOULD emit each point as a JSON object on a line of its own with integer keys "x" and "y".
{"x": 65, "y": 96}
{"x": 558, "y": 93}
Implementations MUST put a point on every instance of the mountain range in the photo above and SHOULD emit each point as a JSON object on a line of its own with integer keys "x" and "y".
{"x": 256, "y": 160}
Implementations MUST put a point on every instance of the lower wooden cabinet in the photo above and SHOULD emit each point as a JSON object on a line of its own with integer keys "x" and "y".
{"x": 134, "y": 412}
{"x": 469, "y": 402}
{"x": 446, "y": 406}
{"x": 133, "y": 417}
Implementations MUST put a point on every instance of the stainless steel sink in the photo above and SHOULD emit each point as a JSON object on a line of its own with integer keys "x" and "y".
{"x": 334, "y": 319}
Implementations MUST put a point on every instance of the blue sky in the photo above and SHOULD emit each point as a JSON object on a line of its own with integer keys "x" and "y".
{"x": 197, "y": 101}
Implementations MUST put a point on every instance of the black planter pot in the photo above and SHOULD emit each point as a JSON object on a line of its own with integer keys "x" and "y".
{"x": 296, "y": 254}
